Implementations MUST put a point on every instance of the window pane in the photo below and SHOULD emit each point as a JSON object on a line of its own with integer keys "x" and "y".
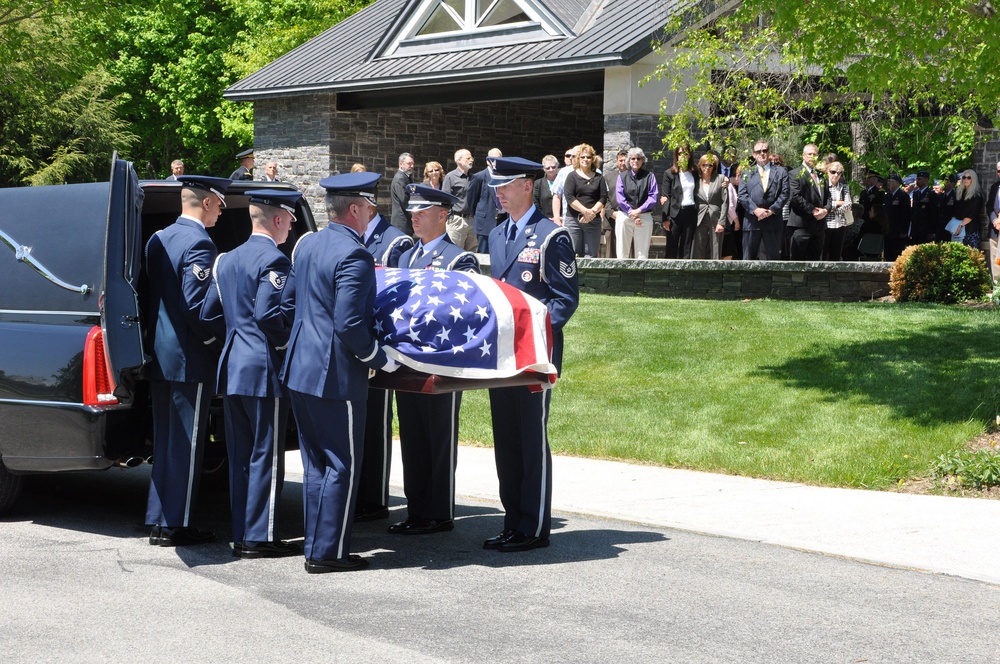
{"x": 504, "y": 11}
{"x": 439, "y": 21}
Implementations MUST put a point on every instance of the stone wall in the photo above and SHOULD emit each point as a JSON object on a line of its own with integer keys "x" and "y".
{"x": 309, "y": 137}
{"x": 732, "y": 280}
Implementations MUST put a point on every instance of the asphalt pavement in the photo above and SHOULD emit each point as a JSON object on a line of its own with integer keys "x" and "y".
{"x": 938, "y": 534}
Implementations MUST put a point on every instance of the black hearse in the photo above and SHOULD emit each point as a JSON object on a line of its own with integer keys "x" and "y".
{"x": 72, "y": 390}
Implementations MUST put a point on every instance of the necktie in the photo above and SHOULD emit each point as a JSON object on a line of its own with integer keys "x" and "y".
{"x": 417, "y": 255}
{"x": 815, "y": 179}
{"x": 511, "y": 232}
{"x": 763, "y": 178}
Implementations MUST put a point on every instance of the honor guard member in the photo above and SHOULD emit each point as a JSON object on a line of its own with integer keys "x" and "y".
{"x": 179, "y": 262}
{"x": 428, "y": 423}
{"x": 245, "y": 171}
{"x": 331, "y": 349}
{"x": 248, "y": 285}
{"x": 924, "y": 210}
{"x": 897, "y": 214}
{"x": 536, "y": 256}
{"x": 385, "y": 243}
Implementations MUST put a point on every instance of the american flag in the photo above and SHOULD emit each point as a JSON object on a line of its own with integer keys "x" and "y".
{"x": 461, "y": 325}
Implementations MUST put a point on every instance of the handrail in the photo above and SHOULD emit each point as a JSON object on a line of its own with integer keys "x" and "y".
{"x": 23, "y": 254}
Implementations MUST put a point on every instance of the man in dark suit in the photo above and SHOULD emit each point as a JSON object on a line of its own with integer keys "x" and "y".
{"x": 245, "y": 170}
{"x": 386, "y": 244}
{"x": 533, "y": 254}
{"x": 428, "y": 423}
{"x": 809, "y": 203}
{"x": 331, "y": 349}
{"x": 176, "y": 169}
{"x": 248, "y": 284}
{"x": 872, "y": 200}
{"x": 179, "y": 262}
{"x": 398, "y": 215}
{"x": 481, "y": 200}
{"x": 946, "y": 205}
{"x": 897, "y": 214}
{"x": 993, "y": 228}
{"x": 924, "y": 215}
{"x": 763, "y": 193}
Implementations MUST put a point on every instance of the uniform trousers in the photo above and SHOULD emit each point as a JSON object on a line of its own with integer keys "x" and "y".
{"x": 524, "y": 462}
{"x": 373, "y": 483}
{"x": 180, "y": 417}
{"x": 331, "y": 439}
{"x": 428, "y": 439}
{"x": 255, "y": 440}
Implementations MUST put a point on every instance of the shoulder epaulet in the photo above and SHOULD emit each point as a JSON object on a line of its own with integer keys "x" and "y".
{"x": 454, "y": 262}
{"x": 404, "y": 241}
{"x": 570, "y": 270}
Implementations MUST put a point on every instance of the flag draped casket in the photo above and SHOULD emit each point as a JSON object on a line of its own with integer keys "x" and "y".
{"x": 459, "y": 331}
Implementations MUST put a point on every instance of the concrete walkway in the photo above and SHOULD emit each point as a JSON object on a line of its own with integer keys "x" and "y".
{"x": 941, "y": 534}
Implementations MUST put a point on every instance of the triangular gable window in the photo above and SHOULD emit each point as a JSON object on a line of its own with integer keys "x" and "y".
{"x": 463, "y": 24}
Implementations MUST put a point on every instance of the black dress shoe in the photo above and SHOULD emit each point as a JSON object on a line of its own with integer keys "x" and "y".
{"x": 495, "y": 541}
{"x": 371, "y": 513}
{"x": 276, "y": 549}
{"x": 349, "y": 564}
{"x": 521, "y": 542}
{"x": 181, "y": 536}
{"x": 412, "y": 526}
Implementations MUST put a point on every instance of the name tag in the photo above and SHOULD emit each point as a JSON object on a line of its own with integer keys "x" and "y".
{"x": 529, "y": 255}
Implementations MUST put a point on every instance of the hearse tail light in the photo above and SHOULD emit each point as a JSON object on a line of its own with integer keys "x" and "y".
{"x": 98, "y": 385}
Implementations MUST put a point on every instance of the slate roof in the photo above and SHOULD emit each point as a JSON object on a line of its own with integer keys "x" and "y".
{"x": 605, "y": 33}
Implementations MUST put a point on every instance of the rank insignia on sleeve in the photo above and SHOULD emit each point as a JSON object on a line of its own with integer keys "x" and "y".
{"x": 567, "y": 270}
{"x": 200, "y": 273}
{"x": 277, "y": 280}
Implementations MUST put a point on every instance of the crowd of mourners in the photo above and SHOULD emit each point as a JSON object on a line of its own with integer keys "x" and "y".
{"x": 716, "y": 206}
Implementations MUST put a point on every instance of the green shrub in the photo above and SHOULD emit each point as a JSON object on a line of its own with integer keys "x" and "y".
{"x": 943, "y": 272}
{"x": 972, "y": 469}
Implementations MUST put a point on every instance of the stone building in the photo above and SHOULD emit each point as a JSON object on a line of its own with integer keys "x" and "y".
{"x": 428, "y": 77}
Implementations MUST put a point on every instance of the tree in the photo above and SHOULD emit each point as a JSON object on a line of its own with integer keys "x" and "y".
{"x": 914, "y": 78}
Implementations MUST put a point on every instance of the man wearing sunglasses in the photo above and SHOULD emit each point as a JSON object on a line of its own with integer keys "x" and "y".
{"x": 763, "y": 191}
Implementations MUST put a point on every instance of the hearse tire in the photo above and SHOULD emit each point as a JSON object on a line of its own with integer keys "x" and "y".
{"x": 10, "y": 489}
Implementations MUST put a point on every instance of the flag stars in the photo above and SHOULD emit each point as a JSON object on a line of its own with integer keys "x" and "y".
{"x": 444, "y": 335}
{"x": 397, "y": 315}
{"x": 433, "y": 300}
{"x": 439, "y": 285}
{"x": 482, "y": 312}
{"x": 429, "y": 317}
{"x": 485, "y": 348}
{"x": 464, "y": 285}
{"x": 461, "y": 298}
{"x": 456, "y": 314}
{"x": 469, "y": 334}
{"x": 413, "y": 335}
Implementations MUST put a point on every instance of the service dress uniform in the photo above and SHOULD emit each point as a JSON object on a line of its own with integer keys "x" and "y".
{"x": 330, "y": 352}
{"x": 540, "y": 261}
{"x": 385, "y": 243}
{"x": 243, "y": 173}
{"x": 179, "y": 262}
{"x": 248, "y": 287}
{"x": 428, "y": 423}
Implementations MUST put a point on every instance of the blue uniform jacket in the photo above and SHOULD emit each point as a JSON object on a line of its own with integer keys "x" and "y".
{"x": 542, "y": 263}
{"x": 179, "y": 262}
{"x": 248, "y": 284}
{"x": 332, "y": 290}
{"x": 387, "y": 243}
{"x": 446, "y": 255}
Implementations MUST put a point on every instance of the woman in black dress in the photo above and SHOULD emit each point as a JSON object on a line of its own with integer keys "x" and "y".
{"x": 586, "y": 194}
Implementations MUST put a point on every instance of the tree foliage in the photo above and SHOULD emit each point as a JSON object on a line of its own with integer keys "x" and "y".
{"x": 914, "y": 78}
{"x": 81, "y": 78}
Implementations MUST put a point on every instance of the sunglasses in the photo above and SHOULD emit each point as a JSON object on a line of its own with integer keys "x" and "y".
{"x": 763, "y": 151}
{"x": 434, "y": 170}
{"x": 550, "y": 168}
{"x": 966, "y": 177}
{"x": 569, "y": 156}
{"x": 836, "y": 172}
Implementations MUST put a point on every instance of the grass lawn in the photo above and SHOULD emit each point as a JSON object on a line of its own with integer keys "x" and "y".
{"x": 859, "y": 395}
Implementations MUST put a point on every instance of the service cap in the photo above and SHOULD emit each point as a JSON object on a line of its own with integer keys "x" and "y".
{"x": 215, "y": 185}
{"x": 245, "y": 154}
{"x": 362, "y": 184}
{"x": 508, "y": 169}
{"x": 423, "y": 197}
{"x": 896, "y": 177}
{"x": 924, "y": 174}
{"x": 286, "y": 200}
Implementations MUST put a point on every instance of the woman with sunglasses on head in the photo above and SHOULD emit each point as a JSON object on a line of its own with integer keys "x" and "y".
{"x": 712, "y": 198}
{"x": 586, "y": 193}
{"x": 836, "y": 223}
{"x": 433, "y": 174}
{"x": 677, "y": 199}
{"x": 969, "y": 208}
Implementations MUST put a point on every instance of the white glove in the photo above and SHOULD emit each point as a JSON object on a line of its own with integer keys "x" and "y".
{"x": 390, "y": 365}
